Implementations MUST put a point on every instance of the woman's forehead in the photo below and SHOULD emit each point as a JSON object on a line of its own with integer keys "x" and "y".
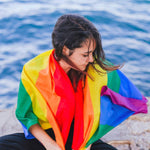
{"x": 89, "y": 45}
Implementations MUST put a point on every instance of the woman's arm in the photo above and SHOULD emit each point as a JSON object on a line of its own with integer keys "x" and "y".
{"x": 44, "y": 138}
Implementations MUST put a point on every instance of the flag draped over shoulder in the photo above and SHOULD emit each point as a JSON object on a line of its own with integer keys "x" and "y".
{"x": 46, "y": 97}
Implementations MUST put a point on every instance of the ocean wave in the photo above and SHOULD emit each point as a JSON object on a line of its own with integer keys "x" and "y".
{"x": 26, "y": 27}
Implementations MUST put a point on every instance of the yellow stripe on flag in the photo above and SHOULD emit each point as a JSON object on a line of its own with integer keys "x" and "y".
{"x": 95, "y": 86}
{"x": 38, "y": 102}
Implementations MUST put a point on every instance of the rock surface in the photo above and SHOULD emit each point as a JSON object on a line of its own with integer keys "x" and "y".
{"x": 132, "y": 134}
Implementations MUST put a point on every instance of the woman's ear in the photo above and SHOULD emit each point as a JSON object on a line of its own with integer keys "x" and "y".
{"x": 65, "y": 51}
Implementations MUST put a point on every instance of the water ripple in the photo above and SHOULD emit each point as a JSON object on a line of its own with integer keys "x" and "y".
{"x": 26, "y": 26}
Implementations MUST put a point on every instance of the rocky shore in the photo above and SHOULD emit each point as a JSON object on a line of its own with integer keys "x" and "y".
{"x": 132, "y": 134}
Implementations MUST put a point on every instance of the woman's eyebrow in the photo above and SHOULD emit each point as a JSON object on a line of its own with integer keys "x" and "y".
{"x": 88, "y": 52}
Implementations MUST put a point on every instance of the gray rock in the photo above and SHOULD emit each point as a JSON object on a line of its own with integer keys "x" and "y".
{"x": 9, "y": 123}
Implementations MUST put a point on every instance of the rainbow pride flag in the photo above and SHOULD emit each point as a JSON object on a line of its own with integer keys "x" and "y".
{"x": 46, "y": 97}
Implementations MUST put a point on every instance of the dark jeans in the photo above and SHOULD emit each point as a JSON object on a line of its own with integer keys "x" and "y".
{"x": 17, "y": 141}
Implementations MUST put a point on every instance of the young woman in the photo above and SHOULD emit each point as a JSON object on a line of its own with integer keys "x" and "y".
{"x": 70, "y": 96}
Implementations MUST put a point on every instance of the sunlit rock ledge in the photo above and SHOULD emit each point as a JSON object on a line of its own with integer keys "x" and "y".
{"x": 132, "y": 134}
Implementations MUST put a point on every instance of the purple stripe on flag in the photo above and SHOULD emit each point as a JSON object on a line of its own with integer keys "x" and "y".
{"x": 138, "y": 106}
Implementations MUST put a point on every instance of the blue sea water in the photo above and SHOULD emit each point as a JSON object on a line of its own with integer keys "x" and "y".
{"x": 26, "y": 27}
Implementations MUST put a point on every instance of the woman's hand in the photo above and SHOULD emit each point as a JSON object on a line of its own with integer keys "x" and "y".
{"x": 52, "y": 146}
{"x": 44, "y": 138}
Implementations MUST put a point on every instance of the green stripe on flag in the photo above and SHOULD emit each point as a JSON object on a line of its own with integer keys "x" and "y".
{"x": 113, "y": 81}
{"x": 101, "y": 131}
{"x": 24, "y": 111}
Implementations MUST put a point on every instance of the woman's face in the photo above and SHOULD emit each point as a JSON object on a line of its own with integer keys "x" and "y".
{"x": 82, "y": 56}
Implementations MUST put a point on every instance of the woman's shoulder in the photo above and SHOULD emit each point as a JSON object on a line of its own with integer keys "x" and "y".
{"x": 39, "y": 59}
{"x": 40, "y": 62}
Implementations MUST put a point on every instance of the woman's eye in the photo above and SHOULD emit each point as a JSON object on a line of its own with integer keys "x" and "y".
{"x": 85, "y": 55}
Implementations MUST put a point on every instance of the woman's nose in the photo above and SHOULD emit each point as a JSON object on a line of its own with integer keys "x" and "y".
{"x": 91, "y": 58}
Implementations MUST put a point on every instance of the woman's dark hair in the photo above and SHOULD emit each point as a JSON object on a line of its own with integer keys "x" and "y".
{"x": 71, "y": 31}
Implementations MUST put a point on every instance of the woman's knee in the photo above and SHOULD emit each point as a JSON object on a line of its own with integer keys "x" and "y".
{"x": 100, "y": 145}
{"x": 15, "y": 141}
